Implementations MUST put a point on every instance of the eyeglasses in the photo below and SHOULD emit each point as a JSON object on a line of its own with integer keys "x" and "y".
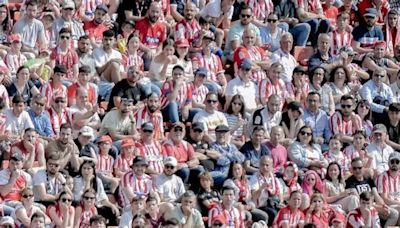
{"x": 39, "y": 104}
{"x": 357, "y": 168}
{"x": 65, "y": 200}
{"x": 246, "y": 15}
{"x": 305, "y": 133}
{"x": 169, "y": 166}
{"x": 212, "y": 101}
{"x": 394, "y": 161}
{"x": 271, "y": 20}
{"x": 178, "y": 129}
{"x": 89, "y": 198}
{"x": 238, "y": 104}
{"x": 65, "y": 37}
{"x": 59, "y": 101}
{"x": 147, "y": 131}
{"x": 27, "y": 196}
{"x": 69, "y": 9}
{"x": 379, "y": 75}
{"x": 346, "y": 106}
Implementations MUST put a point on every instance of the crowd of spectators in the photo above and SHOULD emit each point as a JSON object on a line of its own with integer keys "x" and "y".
{"x": 199, "y": 113}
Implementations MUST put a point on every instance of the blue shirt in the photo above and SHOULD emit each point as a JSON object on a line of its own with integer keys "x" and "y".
{"x": 252, "y": 154}
{"x": 42, "y": 123}
{"x": 319, "y": 122}
{"x": 372, "y": 93}
{"x": 229, "y": 153}
{"x": 316, "y": 61}
{"x": 366, "y": 37}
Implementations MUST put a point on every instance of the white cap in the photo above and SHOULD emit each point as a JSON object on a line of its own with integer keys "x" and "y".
{"x": 86, "y": 131}
{"x": 7, "y": 220}
{"x": 170, "y": 161}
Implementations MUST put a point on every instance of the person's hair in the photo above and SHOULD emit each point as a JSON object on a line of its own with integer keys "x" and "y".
{"x": 53, "y": 156}
{"x": 311, "y": 74}
{"x": 356, "y": 159}
{"x": 333, "y": 72}
{"x": 346, "y": 97}
{"x": 21, "y": 68}
{"x": 38, "y": 215}
{"x": 302, "y": 128}
{"x": 151, "y": 197}
{"x": 89, "y": 190}
{"x": 7, "y": 23}
{"x": 2, "y": 103}
{"x": 206, "y": 175}
{"x": 109, "y": 33}
{"x": 168, "y": 42}
{"x": 335, "y": 137}
{"x": 153, "y": 94}
{"x": 38, "y": 97}
{"x": 93, "y": 183}
{"x": 393, "y": 12}
{"x": 242, "y": 109}
{"x": 317, "y": 195}
{"x": 64, "y": 30}
{"x": 31, "y": 3}
{"x": 26, "y": 189}
{"x": 171, "y": 221}
{"x": 203, "y": 20}
{"x": 257, "y": 128}
{"x": 139, "y": 216}
{"x": 29, "y": 129}
{"x": 84, "y": 37}
{"x": 312, "y": 93}
{"x": 294, "y": 192}
{"x": 188, "y": 193}
{"x": 327, "y": 177}
{"x": 84, "y": 69}
{"x": 343, "y": 15}
{"x": 227, "y": 188}
{"x": 133, "y": 35}
{"x": 230, "y": 172}
{"x": 63, "y": 193}
{"x": 369, "y": 114}
{"x": 18, "y": 99}
{"x": 366, "y": 195}
{"x": 360, "y": 132}
{"x": 65, "y": 126}
{"x": 97, "y": 218}
{"x": 245, "y": 7}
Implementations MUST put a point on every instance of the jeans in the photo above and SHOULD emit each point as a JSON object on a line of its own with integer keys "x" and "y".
{"x": 212, "y": 86}
{"x": 318, "y": 26}
{"x": 149, "y": 88}
{"x": 192, "y": 113}
{"x": 190, "y": 176}
{"x": 171, "y": 112}
{"x": 300, "y": 33}
{"x": 219, "y": 178}
{"x": 105, "y": 88}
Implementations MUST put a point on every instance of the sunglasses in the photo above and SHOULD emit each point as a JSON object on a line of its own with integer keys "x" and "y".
{"x": 69, "y": 9}
{"x": 394, "y": 161}
{"x": 27, "y": 196}
{"x": 246, "y": 15}
{"x": 65, "y": 37}
{"x": 197, "y": 131}
{"x": 39, "y": 104}
{"x": 65, "y": 200}
{"x": 88, "y": 198}
{"x": 305, "y": 133}
{"x": 357, "y": 168}
{"x": 212, "y": 101}
{"x": 169, "y": 166}
{"x": 178, "y": 129}
{"x": 379, "y": 75}
{"x": 271, "y": 20}
{"x": 59, "y": 101}
{"x": 346, "y": 106}
{"x": 147, "y": 131}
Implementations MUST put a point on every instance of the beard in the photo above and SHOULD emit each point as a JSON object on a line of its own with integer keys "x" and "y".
{"x": 152, "y": 108}
{"x": 153, "y": 19}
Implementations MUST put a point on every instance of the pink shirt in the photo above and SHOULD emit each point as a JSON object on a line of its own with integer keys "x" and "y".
{"x": 279, "y": 156}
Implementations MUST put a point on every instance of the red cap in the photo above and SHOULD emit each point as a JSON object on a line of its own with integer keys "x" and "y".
{"x": 380, "y": 43}
{"x": 220, "y": 218}
{"x": 127, "y": 143}
{"x": 15, "y": 37}
{"x": 182, "y": 43}
{"x": 104, "y": 138}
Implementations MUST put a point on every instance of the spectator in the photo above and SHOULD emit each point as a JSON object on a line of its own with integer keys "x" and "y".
{"x": 62, "y": 213}
{"x": 272, "y": 85}
{"x": 40, "y": 118}
{"x": 340, "y": 36}
{"x": 323, "y": 58}
{"x": 14, "y": 59}
{"x": 277, "y": 150}
{"x": 22, "y": 85}
{"x": 272, "y": 33}
{"x": 17, "y": 119}
{"x": 297, "y": 89}
{"x": 286, "y": 215}
{"x": 55, "y": 87}
{"x": 83, "y": 112}
{"x": 363, "y": 109}
{"x": 85, "y": 54}
{"x": 379, "y": 150}
{"x": 253, "y": 150}
{"x": 97, "y": 26}
{"x": 391, "y": 27}
{"x": 58, "y": 112}
{"x": 187, "y": 27}
{"x": 236, "y": 117}
{"x": 317, "y": 81}
{"x": 168, "y": 185}
{"x": 84, "y": 78}
{"x": 151, "y": 113}
{"x": 186, "y": 209}
{"x": 366, "y": 214}
{"x": 283, "y": 56}
{"x": 392, "y": 126}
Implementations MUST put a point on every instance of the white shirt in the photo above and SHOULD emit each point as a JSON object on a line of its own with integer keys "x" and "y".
{"x": 210, "y": 121}
{"x": 213, "y": 9}
{"x": 171, "y": 188}
{"x": 268, "y": 121}
{"x": 79, "y": 186}
{"x": 17, "y": 125}
{"x": 288, "y": 62}
{"x": 380, "y": 156}
{"x": 247, "y": 90}
{"x": 396, "y": 91}
{"x": 126, "y": 219}
{"x": 101, "y": 57}
{"x": 52, "y": 185}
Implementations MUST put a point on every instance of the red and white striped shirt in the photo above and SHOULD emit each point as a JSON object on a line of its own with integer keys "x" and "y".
{"x": 123, "y": 164}
{"x": 57, "y": 119}
{"x": 187, "y": 30}
{"x": 286, "y": 218}
{"x": 199, "y": 93}
{"x": 84, "y": 220}
{"x": 261, "y": 8}
{"x": 233, "y": 216}
{"x": 143, "y": 116}
{"x": 133, "y": 60}
{"x": 389, "y": 185}
{"x": 356, "y": 220}
{"x": 14, "y": 61}
{"x": 342, "y": 160}
{"x": 256, "y": 54}
{"x": 105, "y": 164}
{"x": 184, "y": 94}
{"x": 139, "y": 185}
{"x": 340, "y": 40}
{"x": 48, "y": 91}
{"x": 68, "y": 59}
{"x": 213, "y": 64}
{"x": 312, "y": 6}
{"x": 153, "y": 153}
{"x": 348, "y": 127}
{"x": 292, "y": 90}
{"x": 266, "y": 88}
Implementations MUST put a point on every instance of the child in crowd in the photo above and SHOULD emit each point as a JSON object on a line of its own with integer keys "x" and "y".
{"x": 335, "y": 154}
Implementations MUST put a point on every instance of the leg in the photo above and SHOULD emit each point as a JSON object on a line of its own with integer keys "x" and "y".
{"x": 105, "y": 88}
{"x": 183, "y": 174}
{"x": 283, "y": 26}
{"x": 313, "y": 26}
{"x": 349, "y": 203}
{"x": 219, "y": 178}
{"x": 171, "y": 112}
{"x": 271, "y": 214}
{"x": 324, "y": 26}
{"x": 192, "y": 113}
{"x": 212, "y": 86}
{"x": 300, "y": 33}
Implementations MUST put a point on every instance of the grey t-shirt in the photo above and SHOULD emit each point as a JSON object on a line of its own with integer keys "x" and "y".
{"x": 30, "y": 32}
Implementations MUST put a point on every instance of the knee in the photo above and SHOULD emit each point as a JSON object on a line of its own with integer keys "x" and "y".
{"x": 305, "y": 27}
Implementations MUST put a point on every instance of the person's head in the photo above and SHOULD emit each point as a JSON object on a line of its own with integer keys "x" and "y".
{"x": 31, "y": 9}
{"x": 346, "y": 104}
{"x": 380, "y": 49}
{"x": 324, "y": 42}
{"x": 222, "y": 133}
{"x": 53, "y": 163}
{"x": 4, "y": 15}
{"x": 275, "y": 71}
{"x": 178, "y": 72}
{"x": 237, "y": 105}
{"x": 18, "y": 104}
{"x": 16, "y": 42}
{"x": 286, "y": 39}
{"x": 154, "y": 12}
{"x": 64, "y": 199}
{"x": 276, "y": 135}
{"x": 82, "y": 95}
{"x": 38, "y": 220}
{"x": 205, "y": 23}
{"x": 295, "y": 109}
{"x": 189, "y": 199}
{"x": 89, "y": 197}
{"x": 249, "y": 37}
{"x": 133, "y": 42}
{"x": 128, "y": 148}
{"x": 257, "y": 136}
{"x": 100, "y": 13}
{"x": 128, "y": 27}
{"x": 379, "y": 132}
{"x": 104, "y": 143}
{"x": 197, "y": 131}
{"x": 171, "y": 223}
{"x": 200, "y": 76}
{"x": 38, "y": 103}
{"x": 363, "y": 109}
{"x": 245, "y": 69}
{"x": 394, "y": 161}
{"x": 305, "y": 135}
{"x": 370, "y": 17}
{"x": 85, "y": 135}
{"x": 64, "y": 37}
{"x": 246, "y": 15}
{"x": 290, "y": 173}
{"x": 339, "y": 75}
{"x": 151, "y": 203}
{"x": 27, "y": 196}
{"x": 313, "y": 101}
{"x": 219, "y": 221}
{"x": 211, "y": 101}
{"x": 59, "y": 73}
{"x": 168, "y": 47}
{"x": 295, "y": 200}
{"x": 177, "y": 131}
{"x": 206, "y": 180}
{"x": 228, "y": 195}
{"x": 138, "y": 202}
{"x": 87, "y": 168}
{"x": 84, "y": 74}
{"x": 274, "y": 103}
{"x": 317, "y": 76}
{"x": 97, "y": 221}
{"x": 147, "y": 131}
{"x": 134, "y": 74}
{"x": 343, "y": 20}
{"x": 23, "y": 74}
{"x": 68, "y": 10}
{"x": 359, "y": 138}
{"x": 139, "y": 165}
{"x": 357, "y": 165}
{"x": 266, "y": 164}
{"x": 65, "y": 133}
{"x": 334, "y": 143}
{"x": 170, "y": 165}
{"x": 366, "y": 200}
{"x": 30, "y": 136}
{"x": 126, "y": 105}
{"x": 108, "y": 39}
{"x": 182, "y": 48}
{"x": 394, "y": 112}
{"x": 84, "y": 44}
{"x": 299, "y": 76}
{"x": 236, "y": 171}
{"x": 139, "y": 221}
{"x": 16, "y": 162}
{"x": 334, "y": 172}
{"x": 153, "y": 102}
{"x": 189, "y": 11}
{"x": 318, "y": 200}
{"x": 379, "y": 76}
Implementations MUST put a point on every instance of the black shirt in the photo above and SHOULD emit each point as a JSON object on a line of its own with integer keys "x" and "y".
{"x": 360, "y": 186}
{"x": 203, "y": 195}
{"x": 123, "y": 89}
{"x": 393, "y": 131}
{"x": 137, "y": 8}
{"x": 180, "y": 5}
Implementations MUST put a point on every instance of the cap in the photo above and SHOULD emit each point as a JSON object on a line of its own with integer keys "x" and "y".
{"x": 202, "y": 71}
{"x": 127, "y": 143}
{"x": 394, "y": 107}
{"x": 7, "y": 220}
{"x": 16, "y": 157}
{"x": 394, "y": 155}
{"x": 219, "y": 218}
{"x": 177, "y": 66}
{"x": 246, "y": 64}
{"x": 102, "y": 7}
{"x": 15, "y": 38}
{"x": 60, "y": 69}
{"x": 170, "y": 161}
{"x": 198, "y": 126}
{"x": 178, "y": 124}
{"x": 380, "y": 43}
{"x": 182, "y": 43}
{"x": 339, "y": 217}
{"x": 299, "y": 69}
{"x": 68, "y": 5}
{"x": 86, "y": 131}
{"x": 370, "y": 12}
{"x": 138, "y": 196}
{"x": 222, "y": 128}
{"x": 104, "y": 138}
{"x": 139, "y": 160}
{"x": 347, "y": 49}
{"x": 148, "y": 126}
{"x": 379, "y": 128}
{"x": 295, "y": 106}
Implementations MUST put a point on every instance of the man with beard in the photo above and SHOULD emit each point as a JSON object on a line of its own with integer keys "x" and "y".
{"x": 152, "y": 33}
{"x": 151, "y": 113}
{"x": 85, "y": 55}
{"x": 98, "y": 25}
{"x": 49, "y": 182}
{"x": 366, "y": 35}
{"x": 129, "y": 88}
{"x": 188, "y": 26}
{"x": 169, "y": 186}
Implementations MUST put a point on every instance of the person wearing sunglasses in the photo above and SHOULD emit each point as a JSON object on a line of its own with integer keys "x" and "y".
{"x": 272, "y": 34}
{"x": 58, "y": 111}
{"x": 358, "y": 183}
{"x": 39, "y": 117}
{"x": 62, "y": 213}
{"x": 86, "y": 209}
{"x": 168, "y": 185}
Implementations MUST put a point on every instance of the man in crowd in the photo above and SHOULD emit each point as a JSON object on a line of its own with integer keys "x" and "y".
{"x": 253, "y": 150}
{"x": 283, "y": 56}
{"x": 17, "y": 119}
{"x": 367, "y": 34}
{"x": 39, "y": 117}
{"x": 169, "y": 186}
{"x": 151, "y": 113}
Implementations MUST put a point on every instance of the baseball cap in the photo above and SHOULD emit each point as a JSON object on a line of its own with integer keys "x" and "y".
{"x": 370, "y": 12}
{"x": 379, "y": 128}
{"x": 16, "y": 157}
{"x": 148, "y": 126}
{"x": 127, "y": 143}
{"x": 139, "y": 160}
{"x": 102, "y": 7}
{"x": 246, "y": 64}
{"x": 104, "y": 138}
{"x": 86, "y": 131}
{"x": 202, "y": 71}
{"x": 219, "y": 218}
{"x": 7, "y": 220}
{"x": 198, "y": 126}
{"x": 15, "y": 38}
{"x": 68, "y": 5}
{"x": 299, "y": 69}
{"x": 222, "y": 128}
{"x": 170, "y": 161}
{"x": 182, "y": 43}
{"x": 394, "y": 155}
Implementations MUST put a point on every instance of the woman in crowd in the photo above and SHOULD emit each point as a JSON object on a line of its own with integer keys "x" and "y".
{"x": 86, "y": 209}
{"x": 317, "y": 81}
{"x": 319, "y": 213}
{"x": 22, "y": 85}
{"x": 161, "y": 66}
{"x": 363, "y": 109}
{"x": 272, "y": 33}
{"x": 62, "y": 213}
{"x": 236, "y": 117}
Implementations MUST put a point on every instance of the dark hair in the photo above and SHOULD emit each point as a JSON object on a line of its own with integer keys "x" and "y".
{"x": 29, "y": 129}
{"x": 366, "y": 195}
{"x": 18, "y": 99}
{"x": 64, "y": 30}
{"x": 242, "y": 109}
{"x": 312, "y": 93}
{"x": 168, "y": 42}
{"x": 304, "y": 127}
{"x": 245, "y": 7}
{"x": 171, "y": 221}
{"x": 84, "y": 37}
{"x": 369, "y": 114}
{"x": 97, "y": 218}
{"x": 311, "y": 75}
{"x": 21, "y": 68}
{"x": 93, "y": 165}
{"x": 31, "y": 3}
{"x": 354, "y": 160}
{"x": 37, "y": 215}
{"x": 346, "y": 97}
{"x": 257, "y": 128}
{"x": 227, "y": 188}
{"x": 230, "y": 172}
{"x": 203, "y": 21}
{"x": 327, "y": 177}
{"x": 188, "y": 193}
{"x": 7, "y": 23}
{"x": 63, "y": 193}
{"x": 2, "y": 103}
{"x": 333, "y": 71}
{"x": 109, "y": 33}
{"x": 52, "y": 156}
{"x": 65, "y": 126}
{"x": 131, "y": 36}
{"x": 309, "y": 225}
{"x": 84, "y": 69}
{"x": 361, "y": 132}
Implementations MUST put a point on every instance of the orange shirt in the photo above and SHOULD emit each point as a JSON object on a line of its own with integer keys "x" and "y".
{"x": 182, "y": 151}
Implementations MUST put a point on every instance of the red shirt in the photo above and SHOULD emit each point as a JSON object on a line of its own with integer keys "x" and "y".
{"x": 182, "y": 151}
{"x": 68, "y": 59}
{"x": 285, "y": 216}
{"x": 186, "y": 30}
{"x": 95, "y": 30}
{"x": 151, "y": 35}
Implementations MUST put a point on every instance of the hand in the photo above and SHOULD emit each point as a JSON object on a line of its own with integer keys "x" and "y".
{"x": 115, "y": 210}
{"x": 319, "y": 140}
{"x": 29, "y": 146}
{"x": 187, "y": 211}
{"x": 172, "y": 59}
{"x": 95, "y": 108}
{"x": 15, "y": 174}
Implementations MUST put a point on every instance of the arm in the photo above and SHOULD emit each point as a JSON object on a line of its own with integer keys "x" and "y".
{"x": 77, "y": 217}
{"x": 360, "y": 50}
{"x": 175, "y": 14}
{"x": 366, "y": 94}
{"x": 40, "y": 189}
{"x": 248, "y": 167}
{"x": 23, "y": 217}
